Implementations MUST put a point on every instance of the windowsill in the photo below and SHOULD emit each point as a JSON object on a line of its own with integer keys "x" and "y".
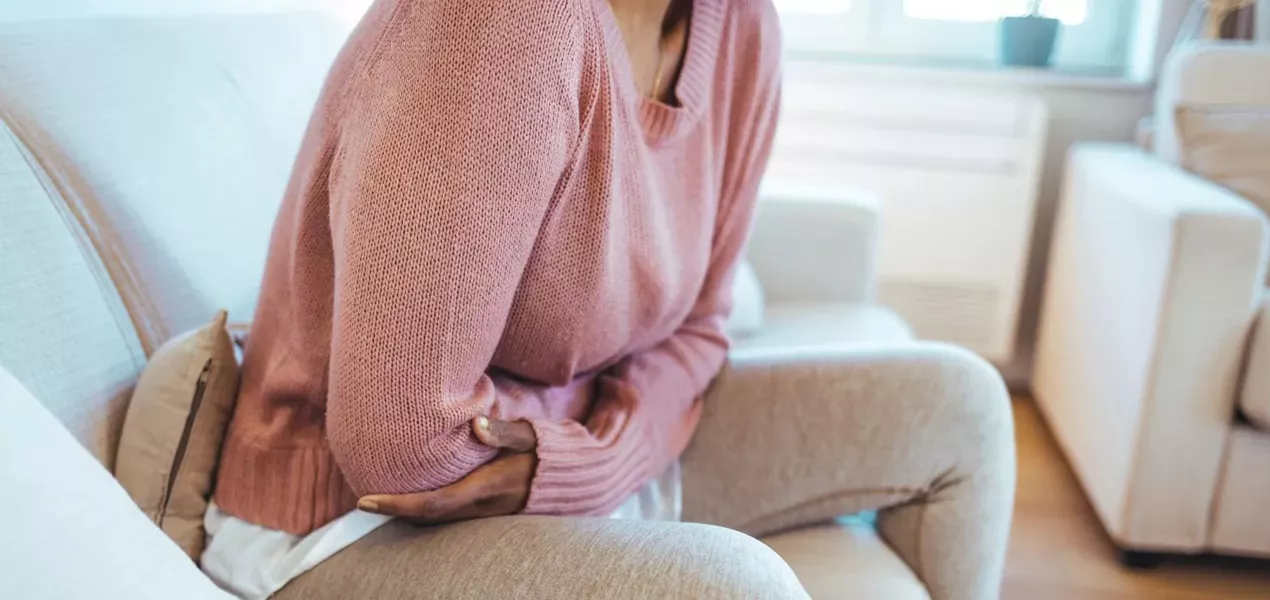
{"x": 820, "y": 68}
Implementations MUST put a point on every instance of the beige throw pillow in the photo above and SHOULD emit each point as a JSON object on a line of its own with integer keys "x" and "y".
{"x": 172, "y": 435}
{"x": 1230, "y": 147}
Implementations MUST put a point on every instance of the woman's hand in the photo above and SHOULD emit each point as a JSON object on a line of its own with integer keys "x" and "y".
{"x": 499, "y": 487}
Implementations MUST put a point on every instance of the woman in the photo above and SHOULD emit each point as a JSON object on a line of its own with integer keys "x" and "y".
{"x": 499, "y": 280}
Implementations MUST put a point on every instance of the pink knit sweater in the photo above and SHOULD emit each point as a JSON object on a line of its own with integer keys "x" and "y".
{"x": 487, "y": 218}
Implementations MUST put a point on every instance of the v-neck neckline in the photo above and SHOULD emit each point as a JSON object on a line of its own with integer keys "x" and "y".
{"x": 661, "y": 122}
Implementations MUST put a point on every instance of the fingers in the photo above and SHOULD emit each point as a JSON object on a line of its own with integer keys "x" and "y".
{"x": 517, "y": 436}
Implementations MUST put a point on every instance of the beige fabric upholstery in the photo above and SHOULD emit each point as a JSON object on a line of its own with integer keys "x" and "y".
{"x": 922, "y": 432}
{"x": 1207, "y": 75}
{"x": 1229, "y": 146}
{"x": 1254, "y": 398}
{"x": 846, "y": 562}
{"x": 172, "y": 436}
{"x": 67, "y": 336}
{"x": 69, "y": 531}
{"x": 180, "y": 134}
{"x": 1240, "y": 524}
{"x": 1153, "y": 283}
{"x": 546, "y": 557}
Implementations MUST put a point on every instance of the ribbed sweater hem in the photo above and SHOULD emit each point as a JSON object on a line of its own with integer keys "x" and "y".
{"x": 295, "y": 490}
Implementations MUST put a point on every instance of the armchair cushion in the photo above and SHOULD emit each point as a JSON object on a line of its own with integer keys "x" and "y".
{"x": 846, "y": 560}
{"x": 801, "y": 326}
{"x": 815, "y": 244}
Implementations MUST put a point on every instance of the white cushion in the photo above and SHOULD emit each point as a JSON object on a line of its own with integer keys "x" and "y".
{"x": 70, "y": 531}
{"x": 747, "y": 303}
{"x": 846, "y": 561}
{"x": 1254, "y": 398}
{"x": 1239, "y": 510}
{"x": 803, "y": 326}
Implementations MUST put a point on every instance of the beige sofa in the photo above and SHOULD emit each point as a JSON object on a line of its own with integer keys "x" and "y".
{"x": 1145, "y": 369}
{"x": 141, "y": 164}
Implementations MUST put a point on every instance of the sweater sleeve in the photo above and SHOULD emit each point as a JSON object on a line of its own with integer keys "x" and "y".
{"x": 647, "y": 407}
{"x": 452, "y": 141}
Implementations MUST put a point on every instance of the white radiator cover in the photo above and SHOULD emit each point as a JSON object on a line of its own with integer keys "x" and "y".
{"x": 957, "y": 176}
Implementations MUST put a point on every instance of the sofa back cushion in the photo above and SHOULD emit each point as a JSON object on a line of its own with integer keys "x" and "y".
{"x": 1203, "y": 75}
{"x": 67, "y": 336}
{"x": 142, "y": 161}
{"x": 176, "y": 137}
{"x": 1229, "y": 146}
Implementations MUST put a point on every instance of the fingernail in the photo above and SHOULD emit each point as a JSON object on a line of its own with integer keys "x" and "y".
{"x": 368, "y": 505}
{"x": 482, "y": 423}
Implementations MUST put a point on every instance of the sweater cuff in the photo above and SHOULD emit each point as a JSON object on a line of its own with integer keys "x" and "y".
{"x": 580, "y": 475}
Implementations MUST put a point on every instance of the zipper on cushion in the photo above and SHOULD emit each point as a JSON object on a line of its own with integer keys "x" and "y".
{"x": 199, "y": 389}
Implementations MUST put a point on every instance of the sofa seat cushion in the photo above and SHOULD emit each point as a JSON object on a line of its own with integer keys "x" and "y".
{"x": 1254, "y": 398}
{"x": 1240, "y": 525}
{"x": 846, "y": 560}
{"x": 810, "y": 326}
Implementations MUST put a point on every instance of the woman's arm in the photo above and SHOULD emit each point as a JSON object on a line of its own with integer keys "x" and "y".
{"x": 646, "y": 406}
{"x": 454, "y": 139}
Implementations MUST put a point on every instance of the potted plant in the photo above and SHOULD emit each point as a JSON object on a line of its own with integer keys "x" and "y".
{"x": 1028, "y": 41}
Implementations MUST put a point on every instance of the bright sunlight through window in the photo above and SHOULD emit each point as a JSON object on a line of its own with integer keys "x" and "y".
{"x": 1093, "y": 38}
{"x": 1072, "y": 12}
{"x": 814, "y": 6}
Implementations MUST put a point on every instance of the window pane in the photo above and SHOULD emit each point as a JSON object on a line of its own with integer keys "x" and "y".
{"x": 813, "y": 6}
{"x": 1072, "y": 12}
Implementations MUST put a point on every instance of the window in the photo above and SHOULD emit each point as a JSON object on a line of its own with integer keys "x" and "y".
{"x": 1093, "y": 37}
{"x": 1072, "y": 12}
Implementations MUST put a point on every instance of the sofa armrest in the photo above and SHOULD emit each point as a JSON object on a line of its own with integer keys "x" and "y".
{"x": 815, "y": 245}
{"x": 1152, "y": 286}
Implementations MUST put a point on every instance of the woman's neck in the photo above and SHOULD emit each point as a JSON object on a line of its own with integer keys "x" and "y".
{"x": 655, "y": 33}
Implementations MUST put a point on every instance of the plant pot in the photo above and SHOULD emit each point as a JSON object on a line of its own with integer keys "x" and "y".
{"x": 1028, "y": 41}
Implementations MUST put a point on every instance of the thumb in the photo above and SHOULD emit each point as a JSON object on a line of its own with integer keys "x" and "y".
{"x": 518, "y": 436}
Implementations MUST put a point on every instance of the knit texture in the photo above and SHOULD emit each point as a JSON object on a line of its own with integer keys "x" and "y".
{"x": 487, "y": 218}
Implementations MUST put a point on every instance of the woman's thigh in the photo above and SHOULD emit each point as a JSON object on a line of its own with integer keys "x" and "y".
{"x": 550, "y": 557}
{"x": 800, "y": 438}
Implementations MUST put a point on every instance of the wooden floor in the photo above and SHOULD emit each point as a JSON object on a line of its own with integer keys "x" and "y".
{"x": 1058, "y": 550}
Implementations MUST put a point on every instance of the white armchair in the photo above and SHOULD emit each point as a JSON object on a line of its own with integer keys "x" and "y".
{"x": 797, "y": 233}
{"x": 1156, "y": 279}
